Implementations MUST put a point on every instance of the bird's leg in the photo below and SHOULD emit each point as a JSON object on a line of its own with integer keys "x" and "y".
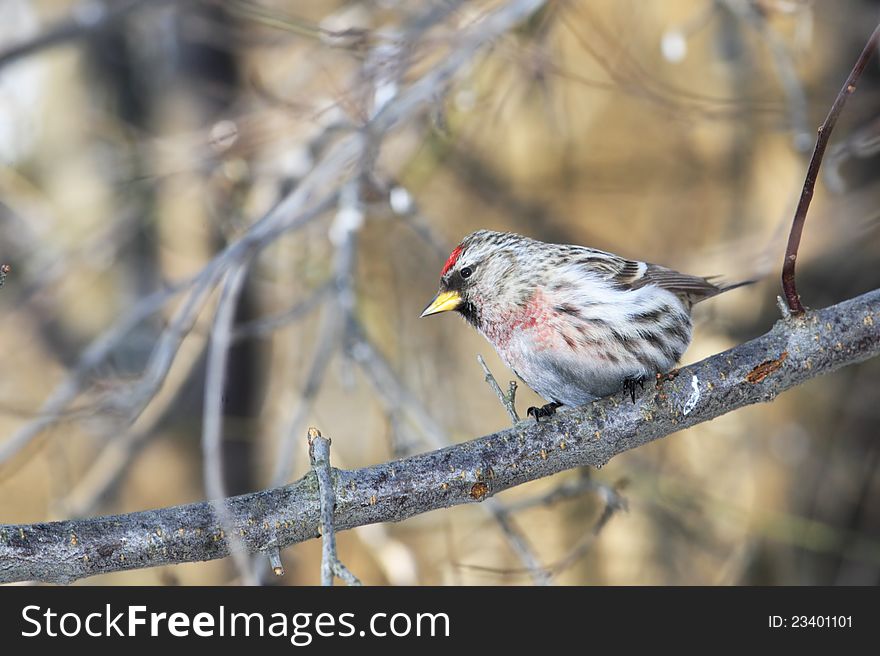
{"x": 629, "y": 385}
{"x": 547, "y": 410}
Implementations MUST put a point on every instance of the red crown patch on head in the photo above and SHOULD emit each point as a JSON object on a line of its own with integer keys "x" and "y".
{"x": 453, "y": 258}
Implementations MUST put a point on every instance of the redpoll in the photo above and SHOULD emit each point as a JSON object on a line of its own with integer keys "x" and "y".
{"x": 574, "y": 323}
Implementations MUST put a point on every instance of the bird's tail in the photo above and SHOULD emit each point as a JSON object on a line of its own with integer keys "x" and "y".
{"x": 722, "y": 287}
{"x": 726, "y": 288}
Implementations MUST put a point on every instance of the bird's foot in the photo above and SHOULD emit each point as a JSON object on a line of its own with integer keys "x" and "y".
{"x": 544, "y": 411}
{"x": 629, "y": 386}
{"x": 669, "y": 376}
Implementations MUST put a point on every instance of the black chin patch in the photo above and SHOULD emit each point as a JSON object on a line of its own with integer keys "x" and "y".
{"x": 469, "y": 312}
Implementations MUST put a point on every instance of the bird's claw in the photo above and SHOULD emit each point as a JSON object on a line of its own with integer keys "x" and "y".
{"x": 629, "y": 386}
{"x": 547, "y": 410}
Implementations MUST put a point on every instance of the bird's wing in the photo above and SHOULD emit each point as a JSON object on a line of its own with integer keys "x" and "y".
{"x": 695, "y": 288}
{"x": 631, "y": 274}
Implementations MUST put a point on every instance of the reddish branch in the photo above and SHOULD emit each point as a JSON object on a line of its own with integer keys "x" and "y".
{"x": 800, "y": 216}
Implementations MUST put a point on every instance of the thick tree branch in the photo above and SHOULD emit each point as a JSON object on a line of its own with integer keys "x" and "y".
{"x": 793, "y": 352}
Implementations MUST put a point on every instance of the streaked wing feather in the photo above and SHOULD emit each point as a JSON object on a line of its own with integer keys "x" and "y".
{"x": 694, "y": 288}
{"x": 628, "y": 273}
{"x": 632, "y": 274}
{"x": 610, "y": 266}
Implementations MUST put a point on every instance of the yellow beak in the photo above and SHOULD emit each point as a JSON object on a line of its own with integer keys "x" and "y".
{"x": 443, "y": 302}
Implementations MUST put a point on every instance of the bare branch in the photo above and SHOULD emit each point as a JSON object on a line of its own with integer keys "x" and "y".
{"x": 519, "y": 543}
{"x": 265, "y": 326}
{"x": 328, "y": 342}
{"x": 791, "y": 353}
{"x": 785, "y": 69}
{"x": 319, "y": 455}
{"x": 570, "y": 490}
{"x": 800, "y": 215}
{"x": 212, "y": 424}
{"x": 613, "y": 503}
{"x": 88, "y": 18}
{"x": 334, "y": 319}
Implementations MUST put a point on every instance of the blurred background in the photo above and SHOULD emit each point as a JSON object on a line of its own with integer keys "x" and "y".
{"x": 141, "y": 143}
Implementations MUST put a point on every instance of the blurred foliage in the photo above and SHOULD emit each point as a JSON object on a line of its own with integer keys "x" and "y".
{"x": 675, "y": 132}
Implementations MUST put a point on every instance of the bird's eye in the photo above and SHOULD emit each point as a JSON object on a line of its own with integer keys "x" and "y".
{"x": 466, "y": 272}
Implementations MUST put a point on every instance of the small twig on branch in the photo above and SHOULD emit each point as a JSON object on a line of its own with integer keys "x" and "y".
{"x": 4, "y": 271}
{"x": 319, "y": 455}
{"x": 507, "y": 400}
{"x": 783, "y": 307}
{"x": 515, "y": 538}
{"x": 800, "y": 216}
{"x": 275, "y": 561}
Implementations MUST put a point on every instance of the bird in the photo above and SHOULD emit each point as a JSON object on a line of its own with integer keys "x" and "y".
{"x": 574, "y": 323}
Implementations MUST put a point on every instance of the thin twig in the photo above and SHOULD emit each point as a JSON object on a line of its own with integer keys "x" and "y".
{"x": 515, "y": 538}
{"x": 784, "y": 65}
{"x": 334, "y": 320}
{"x": 88, "y": 18}
{"x": 519, "y": 544}
{"x": 212, "y": 431}
{"x": 326, "y": 347}
{"x": 507, "y": 400}
{"x": 275, "y": 561}
{"x": 783, "y": 308}
{"x": 800, "y": 216}
{"x": 266, "y": 326}
{"x": 613, "y": 504}
{"x": 567, "y": 490}
{"x": 319, "y": 455}
{"x": 55, "y": 406}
